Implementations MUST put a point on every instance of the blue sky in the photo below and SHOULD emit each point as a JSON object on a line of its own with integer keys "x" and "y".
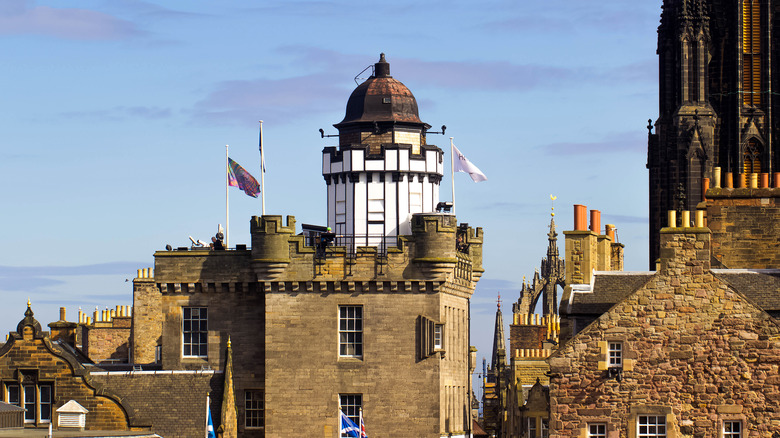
{"x": 115, "y": 115}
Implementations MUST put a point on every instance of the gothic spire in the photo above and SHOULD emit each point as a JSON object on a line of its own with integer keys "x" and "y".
{"x": 498, "y": 334}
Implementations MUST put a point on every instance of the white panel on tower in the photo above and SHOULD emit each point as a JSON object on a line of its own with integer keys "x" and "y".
{"x": 357, "y": 160}
{"x": 375, "y": 165}
{"x": 430, "y": 161}
{"x": 403, "y": 159}
{"x": 417, "y": 165}
{"x": 325, "y": 162}
{"x": 347, "y": 160}
{"x": 391, "y": 158}
{"x": 336, "y": 166}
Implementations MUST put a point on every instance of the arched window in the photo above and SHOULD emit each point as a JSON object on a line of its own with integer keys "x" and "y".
{"x": 751, "y": 158}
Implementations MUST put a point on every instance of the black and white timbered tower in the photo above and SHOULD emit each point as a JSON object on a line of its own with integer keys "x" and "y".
{"x": 383, "y": 170}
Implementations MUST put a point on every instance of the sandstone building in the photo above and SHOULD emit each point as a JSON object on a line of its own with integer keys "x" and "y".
{"x": 373, "y": 317}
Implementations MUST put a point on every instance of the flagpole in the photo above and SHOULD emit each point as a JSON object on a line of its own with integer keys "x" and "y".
{"x": 207, "y": 414}
{"x": 227, "y": 203}
{"x": 262, "y": 168}
{"x": 452, "y": 169}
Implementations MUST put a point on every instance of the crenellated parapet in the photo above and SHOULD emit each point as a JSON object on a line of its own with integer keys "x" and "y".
{"x": 437, "y": 251}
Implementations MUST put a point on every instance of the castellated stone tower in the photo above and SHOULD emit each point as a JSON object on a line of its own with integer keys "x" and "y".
{"x": 380, "y": 324}
{"x": 382, "y": 171}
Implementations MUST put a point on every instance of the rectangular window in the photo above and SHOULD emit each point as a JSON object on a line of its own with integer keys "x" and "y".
{"x": 616, "y": 355}
{"x": 351, "y": 405}
{"x": 12, "y": 395}
{"x": 438, "y": 336}
{"x": 597, "y": 430}
{"x": 732, "y": 429}
{"x": 44, "y": 392}
{"x": 35, "y": 399}
{"x": 254, "y": 408}
{"x": 545, "y": 428}
{"x": 532, "y": 427}
{"x": 29, "y": 403}
{"x": 351, "y": 331}
{"x": 651, "y": 426}
{"x": 195, "y": 332}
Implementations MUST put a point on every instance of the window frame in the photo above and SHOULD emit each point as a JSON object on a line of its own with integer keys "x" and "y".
{"x": 531, "y": 429}
{"x": 598, "y": 433}
{"x": 203, "y": 335}
{"x": 648, "y": 424}
{"x": 615, "y": 355}
{"x": 33, "y": 409}
{"x": 351, "y": 410}
{"x": 350, "y": 336}
{"x": 258, "y": 409}
{"x": 438, "y": 337}
{"x": 732, "y": 433}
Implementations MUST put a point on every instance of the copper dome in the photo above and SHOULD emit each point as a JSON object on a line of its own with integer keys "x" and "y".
{"x": 381, "y": 99}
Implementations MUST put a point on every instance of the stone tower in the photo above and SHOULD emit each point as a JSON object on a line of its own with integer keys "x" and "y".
{"x": 383, "y": 171}
{"x": 715, "y": 101}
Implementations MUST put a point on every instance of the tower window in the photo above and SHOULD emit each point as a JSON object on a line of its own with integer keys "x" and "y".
{"x": 751, "y": 52}
{"x": 195, "y": 332}
{"x": 351, "y": 331}
{"x": 751, "y": 157}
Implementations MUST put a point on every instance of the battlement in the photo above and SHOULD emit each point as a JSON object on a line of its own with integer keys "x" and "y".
{"x": 438, "y": 250}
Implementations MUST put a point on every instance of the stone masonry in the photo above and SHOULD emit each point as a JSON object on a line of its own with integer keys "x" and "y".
{"x": 695, "y": 351}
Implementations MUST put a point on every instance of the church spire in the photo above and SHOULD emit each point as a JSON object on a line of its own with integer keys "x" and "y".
{"x": 499, "y": 345}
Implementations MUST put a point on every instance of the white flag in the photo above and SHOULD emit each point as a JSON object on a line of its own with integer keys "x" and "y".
{"x": 462, "y": 164}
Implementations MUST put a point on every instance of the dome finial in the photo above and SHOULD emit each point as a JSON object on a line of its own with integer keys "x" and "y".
{"x": 382, "y": 68}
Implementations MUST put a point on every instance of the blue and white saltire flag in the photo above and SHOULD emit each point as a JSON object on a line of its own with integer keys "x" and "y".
{"x": 348, "y": 426}
{"x": 209, "y": 424}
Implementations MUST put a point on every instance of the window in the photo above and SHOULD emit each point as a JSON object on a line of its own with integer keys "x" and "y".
{"x": 615, "y": 355}
{"x": 751, "y": 52}
{"x": 254, "y": 408}
{"x": 531, "y": 427}
{"x": 545, "y": 428}
{"x": 438, "y": 336}
{"x": 732, "y": 429}
{"x": 35, "y": 399}
{"x": 195, "y": 332}
{"x": 597, "y": 430}
{"x": 351, "y": 331}
{"x": 651, "y": 426}
{"x": 350, "y": 406}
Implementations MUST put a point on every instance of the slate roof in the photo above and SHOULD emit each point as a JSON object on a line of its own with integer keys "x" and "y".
{"x": 7, "y": 407}
{"x": 608, "y": 288}
{"x": 173, "y": 403}
{"x": 762, "y": 286}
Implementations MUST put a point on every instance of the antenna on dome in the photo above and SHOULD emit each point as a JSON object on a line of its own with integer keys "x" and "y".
{"x": 357, "y": 76}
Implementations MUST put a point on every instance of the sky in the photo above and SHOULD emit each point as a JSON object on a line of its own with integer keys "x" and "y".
{"x": 115, "y": 115}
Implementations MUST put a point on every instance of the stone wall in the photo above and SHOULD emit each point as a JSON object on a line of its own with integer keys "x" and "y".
{"x": 745, "y": 226}
{"x": 147, "y": 321}
{"x": 31, "y": 351}
{"x": 695, "y": 351}
{"x": 108, "y": 341}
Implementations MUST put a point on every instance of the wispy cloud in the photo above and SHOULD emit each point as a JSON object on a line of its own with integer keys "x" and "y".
{"x": 329, "y": 80}
{"x": 627, "y": 142}
{"x": 23, "y": 17}
{"x": 285, "y": 100}
{"x": 41, "y": 279}
{"x": 121, "y": 113}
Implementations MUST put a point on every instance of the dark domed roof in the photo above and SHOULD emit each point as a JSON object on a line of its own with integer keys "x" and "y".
{"x": 381, "y": 99}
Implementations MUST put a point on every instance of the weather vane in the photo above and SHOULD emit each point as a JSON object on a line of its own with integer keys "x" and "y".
{"x": 552, "y": 204}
